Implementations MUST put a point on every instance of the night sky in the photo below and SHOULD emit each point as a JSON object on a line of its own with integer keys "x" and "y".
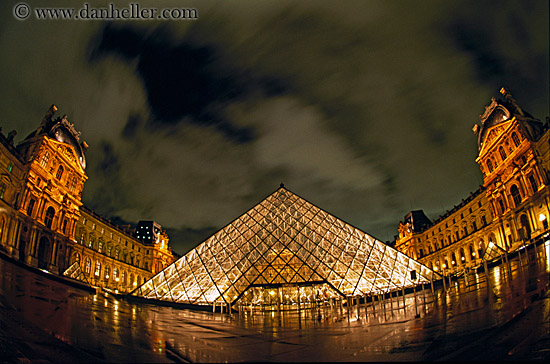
{"x": 363, "y": 108}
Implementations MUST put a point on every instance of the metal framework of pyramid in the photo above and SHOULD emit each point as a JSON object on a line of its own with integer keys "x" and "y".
{"x": 284, "y": 241}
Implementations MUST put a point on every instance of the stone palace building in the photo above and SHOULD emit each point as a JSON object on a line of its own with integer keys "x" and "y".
{"x": 44, "y": 223}
{"x": 511, "y": 208}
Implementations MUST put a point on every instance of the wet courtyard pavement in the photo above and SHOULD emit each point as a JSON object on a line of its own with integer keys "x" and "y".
{"x": 466, "y": 319}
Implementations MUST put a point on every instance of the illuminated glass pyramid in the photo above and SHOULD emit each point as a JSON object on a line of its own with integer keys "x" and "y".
{"x": 284, "y": 249}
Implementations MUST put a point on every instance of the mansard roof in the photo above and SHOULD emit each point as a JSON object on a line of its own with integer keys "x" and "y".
{"x": 503, "y": 110}
{"x": 418, "y": 220}
{"x": 61, "y": 130}
{"x": 284, "y": 240}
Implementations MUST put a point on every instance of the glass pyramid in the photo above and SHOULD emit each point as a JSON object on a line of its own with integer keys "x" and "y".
{"x": 284, "y": 249}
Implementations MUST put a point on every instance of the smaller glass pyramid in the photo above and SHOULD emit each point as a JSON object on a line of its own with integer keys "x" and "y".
{"x": 284, "y": 249}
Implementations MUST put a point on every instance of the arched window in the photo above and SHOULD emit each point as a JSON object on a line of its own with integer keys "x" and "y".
{"x": 48, "y": 219}
{"x": 472, "y": 252}
{"x": 515, "y": 139}
{"x": 100, "y": 247}
{"x": 97, "y": 268}
{"x": 502, "y": 153}
{"x": 123, "y": 278}
{"x": 59, "y": 173}
{"x": 516, "y": 196}
{"x": 115, "y": 274}
{"x": 76, "y": 258}
{"x": 107, "y": 272}
{"x": 489, "y": 165}
{"x": 45, "y": 159}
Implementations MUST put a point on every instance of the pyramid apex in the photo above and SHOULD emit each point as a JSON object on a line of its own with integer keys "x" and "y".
{"x": 282, "y": 185}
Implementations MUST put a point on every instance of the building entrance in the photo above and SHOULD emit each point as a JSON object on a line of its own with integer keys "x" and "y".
{"x": 287, "y": 296}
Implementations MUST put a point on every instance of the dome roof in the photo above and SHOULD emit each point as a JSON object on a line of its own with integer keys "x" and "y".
{"x": 63, "y": 133}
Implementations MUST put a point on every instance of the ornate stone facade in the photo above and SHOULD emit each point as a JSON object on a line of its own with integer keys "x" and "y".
{"x": 44, "y": 223}
{"x": 509, "y": 210}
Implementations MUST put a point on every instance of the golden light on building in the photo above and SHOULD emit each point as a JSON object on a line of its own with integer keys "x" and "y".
{"x": 508, "y": 210}
{"x": 55, "y": 231}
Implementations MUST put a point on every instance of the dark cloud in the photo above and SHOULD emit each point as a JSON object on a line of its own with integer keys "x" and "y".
{"x": 183, "y": 81}
{"x": 363, "y": 108}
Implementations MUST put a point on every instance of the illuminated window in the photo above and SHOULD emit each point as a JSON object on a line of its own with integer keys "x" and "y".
{"x": 97, "y": 268}
{"x": 59, "y": 173}
{"x": 115, "y": 274}
{"x": 489, "y": 165}
{"x": 73, "y": 184}
{"x": 107, "y": 272}
{"x": 88, "y": 266}
{"x": 45, "y": 159}
{"x": 82, "y": 238}
{"x": 100, "y": 247}
{"x": 2, "y": 190}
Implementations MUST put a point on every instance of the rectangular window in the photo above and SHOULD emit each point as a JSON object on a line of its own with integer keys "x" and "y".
{"x": 30, "y": 207}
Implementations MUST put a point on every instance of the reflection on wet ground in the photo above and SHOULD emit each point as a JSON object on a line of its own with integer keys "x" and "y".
{"x": 467, "y": 319}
